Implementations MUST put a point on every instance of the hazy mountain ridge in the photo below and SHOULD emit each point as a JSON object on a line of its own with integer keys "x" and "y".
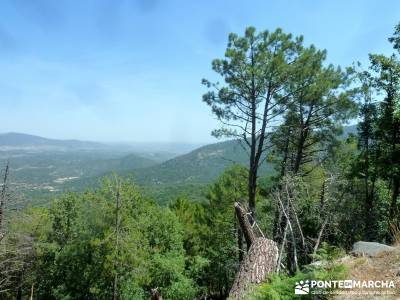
{"x": 43, "y": 166}
{"x": 14, "y": 140}
{"x": 26, "y": 142}
{"x": 186, "y": 174}
{"x": 77, "y": 167}
{"x": 202, "y": 165}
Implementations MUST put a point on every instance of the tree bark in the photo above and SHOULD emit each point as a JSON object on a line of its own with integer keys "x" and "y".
{"x": 260, "y": 260}
{"x": 3, "y": 197}
{"x": 32, "y": 290}
{"x": 244, "y": 224}
{"x": 155, "y": 294}
{"x": 393, "y": 210}
{"x": 252, "y": 189}
{"x": 240, "y": 243}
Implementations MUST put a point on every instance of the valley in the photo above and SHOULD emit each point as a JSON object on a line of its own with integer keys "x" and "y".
{"x": 43, "y": 168}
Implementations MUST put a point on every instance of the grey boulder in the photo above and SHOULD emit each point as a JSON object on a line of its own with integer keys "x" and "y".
{"x": 370, "y": 249}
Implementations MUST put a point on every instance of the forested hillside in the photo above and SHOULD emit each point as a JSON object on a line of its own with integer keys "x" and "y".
{"x": 205, "y": 164}
{"x": 43, "y": 167}
{"x": 276, "y": 205}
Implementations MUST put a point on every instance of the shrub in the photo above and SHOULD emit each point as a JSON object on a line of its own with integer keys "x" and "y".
{"x": 281, "y": 286}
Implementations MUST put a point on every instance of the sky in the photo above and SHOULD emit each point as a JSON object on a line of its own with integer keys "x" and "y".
{"x": 131, "y": 70}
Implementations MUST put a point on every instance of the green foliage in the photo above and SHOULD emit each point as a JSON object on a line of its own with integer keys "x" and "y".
{"x": 320, "y": 103}
{"x": 211, "y": 232}
{"x": 255, "y": 69}
{"x": 328, "y": 253}
{"x": 18, "y": 250}
{"x": 85, "y": 250}
{"x": 281, "y": 286}
{"x": 199, "y": 167}
{"x": 222, "y": 248}
{"x": 376, "y": 172}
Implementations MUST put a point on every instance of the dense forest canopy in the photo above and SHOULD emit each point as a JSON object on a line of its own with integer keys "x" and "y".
{"x": 287, "y": 106}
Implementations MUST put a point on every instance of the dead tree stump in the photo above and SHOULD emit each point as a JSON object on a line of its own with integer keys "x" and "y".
{"x": 260, "y": 260}
{"x": 155, "y": 294}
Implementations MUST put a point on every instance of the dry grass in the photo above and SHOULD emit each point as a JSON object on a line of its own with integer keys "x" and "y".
{"x": 395, "y": 232}
{"x": 381, "y": 268}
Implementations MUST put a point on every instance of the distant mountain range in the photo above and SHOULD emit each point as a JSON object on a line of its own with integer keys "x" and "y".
{"x": 202, "y": 165}
{"x": 21, "y": 140}
{"x": 186, "y": 174}
{"x": 41, "y": 167}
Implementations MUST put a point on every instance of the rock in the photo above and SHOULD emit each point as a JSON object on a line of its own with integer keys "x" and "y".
{"x": 370, "y": 249}
{"x": 319, "y": 263}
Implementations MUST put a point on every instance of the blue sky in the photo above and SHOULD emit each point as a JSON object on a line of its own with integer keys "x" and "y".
{"x": 130, "y": 70}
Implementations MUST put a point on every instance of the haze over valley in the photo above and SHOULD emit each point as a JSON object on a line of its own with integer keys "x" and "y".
{"x": 41, "y": 168}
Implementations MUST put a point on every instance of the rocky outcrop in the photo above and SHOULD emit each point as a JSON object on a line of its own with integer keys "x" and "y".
{"x": 370, "y": 249}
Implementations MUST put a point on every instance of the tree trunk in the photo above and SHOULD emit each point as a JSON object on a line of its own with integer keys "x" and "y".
{"x": 286, "y": 153}
{"x": 393, "y": 211}
{"x": 278, "y": 225}
{"x": 260, "y": 260}
{"x": 393, "y": 204}
{"x": 252, "y": 186}
{"x": 3, "y": 197}
{"x": 240, "y": 243}
{"x": 244, "y": 224}
{"x": 155, "y": 294}
{"x": 32, "y": 290}
{"x": 300, "y": 150}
